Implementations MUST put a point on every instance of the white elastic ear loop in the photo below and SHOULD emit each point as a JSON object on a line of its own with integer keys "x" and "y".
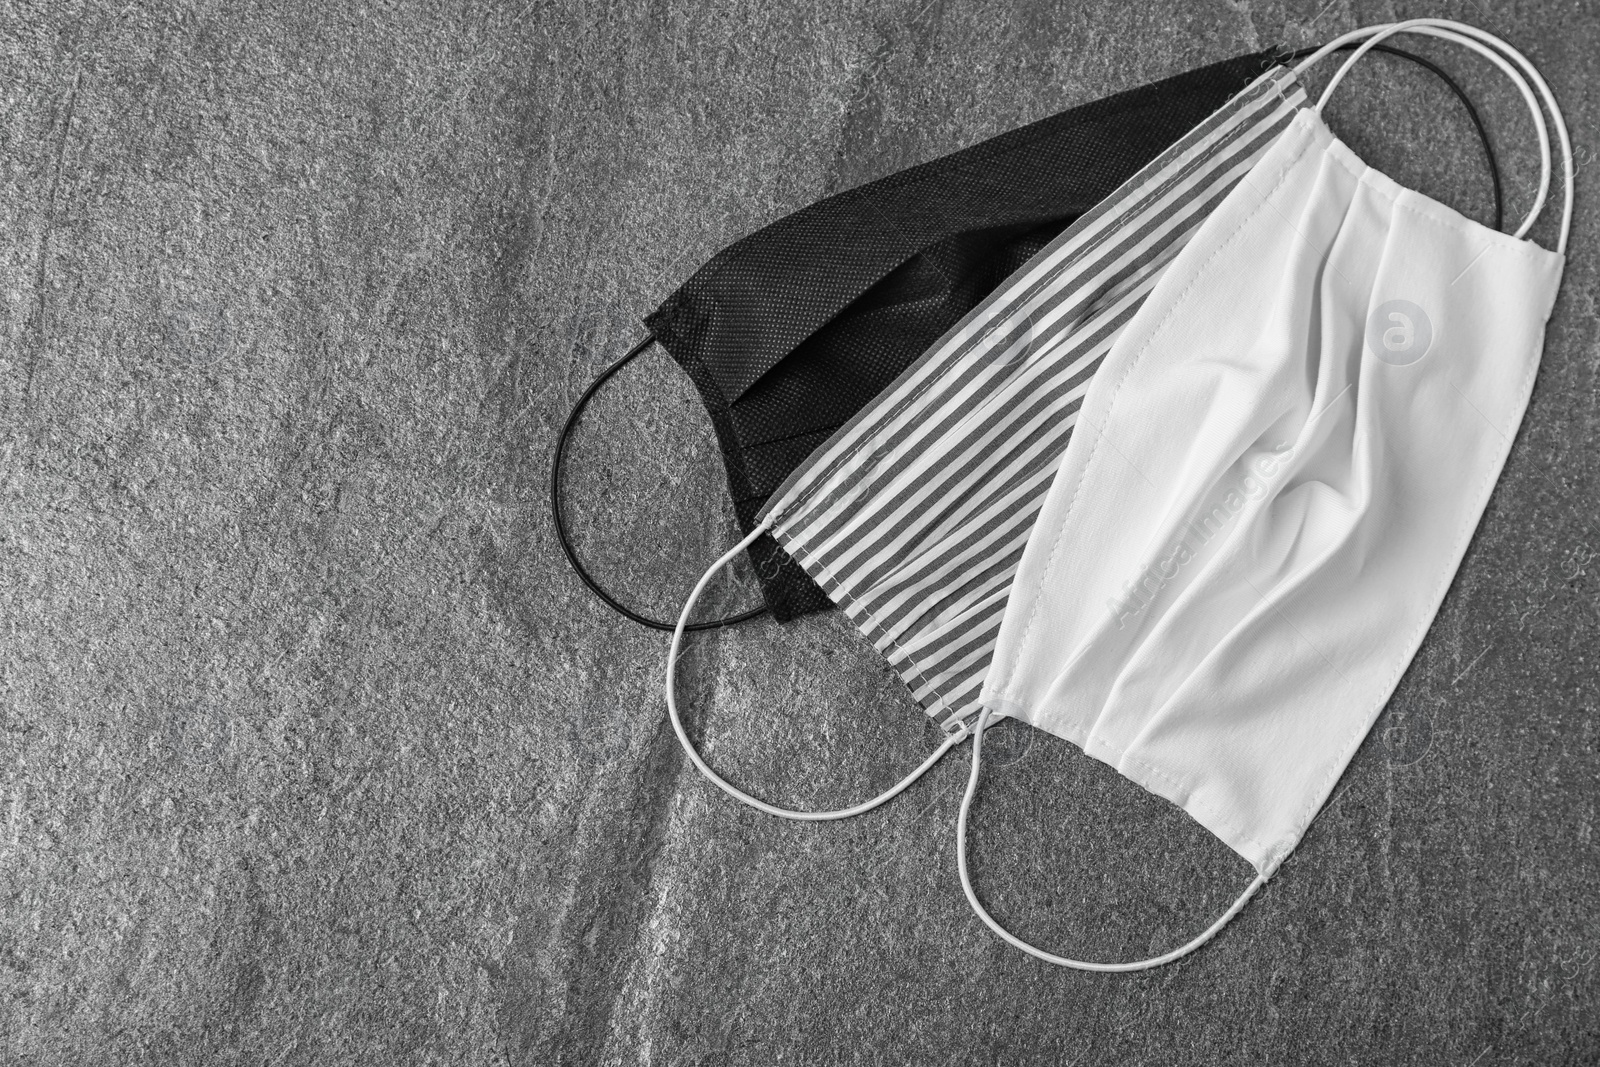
{"x": 1431, "y": 28}
{"x": 1556, "y": 116}
{"x": 733, "y": 791}
{"x": 1475, "y": 39}
{"x": 1049, "y": 957}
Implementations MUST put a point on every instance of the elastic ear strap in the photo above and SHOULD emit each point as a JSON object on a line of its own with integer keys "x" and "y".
{"x": 1460, "y": 94}
{"x": 559, "y": 518}
{"x": 1426, "y": 27}
{"x": 1039, "y": 953}
{"x": 734, "y": 791}
{"x": 1476, "y": 39}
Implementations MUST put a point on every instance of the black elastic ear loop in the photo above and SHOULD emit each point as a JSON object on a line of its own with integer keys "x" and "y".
{"x": 561, "y": 519}
{"x": 1483, "y": 134}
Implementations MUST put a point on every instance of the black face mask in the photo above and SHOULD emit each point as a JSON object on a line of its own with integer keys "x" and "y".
{"x": 790, "y": 331}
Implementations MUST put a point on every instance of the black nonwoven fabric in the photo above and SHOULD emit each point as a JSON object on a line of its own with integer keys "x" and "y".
{"x": 790, "y": 331}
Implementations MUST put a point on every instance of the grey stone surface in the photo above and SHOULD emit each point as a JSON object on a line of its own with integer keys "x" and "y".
{"x": 312, "y": 751}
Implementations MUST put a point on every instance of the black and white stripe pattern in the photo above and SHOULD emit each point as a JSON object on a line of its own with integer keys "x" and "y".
{"x": 914, "y": 515}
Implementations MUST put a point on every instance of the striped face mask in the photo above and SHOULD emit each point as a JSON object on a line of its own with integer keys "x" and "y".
{"x": 915, "y": 517}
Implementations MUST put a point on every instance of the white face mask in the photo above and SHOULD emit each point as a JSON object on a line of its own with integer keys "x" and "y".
{"x": 1273, "y": 479}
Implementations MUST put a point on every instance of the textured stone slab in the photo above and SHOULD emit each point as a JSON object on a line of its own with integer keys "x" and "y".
{"x": 312, "y": 750}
